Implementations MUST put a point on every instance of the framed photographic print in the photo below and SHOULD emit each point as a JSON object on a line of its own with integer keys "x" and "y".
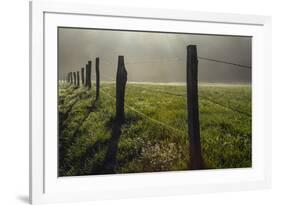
{"x": 129, "y": 102}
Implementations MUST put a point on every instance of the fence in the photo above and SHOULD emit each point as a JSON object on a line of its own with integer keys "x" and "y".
{"x": 196, "y": 161}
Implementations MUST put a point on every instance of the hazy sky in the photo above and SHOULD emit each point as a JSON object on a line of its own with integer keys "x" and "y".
{"x": 154, "y": 57}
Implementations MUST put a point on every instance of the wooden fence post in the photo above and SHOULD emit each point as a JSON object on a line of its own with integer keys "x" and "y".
{"x": 196, "y": 161}
{"x": 71, "y": 79}
{"x": 97, "y": 78}
{"x": 121, "y": 80}
{"x": 86, "y": 76}
{"x": 89, "y": 74}
{"x": 78, "y": 79}
{"x": 74, "y": 74}
{"x": 82, "y": 76}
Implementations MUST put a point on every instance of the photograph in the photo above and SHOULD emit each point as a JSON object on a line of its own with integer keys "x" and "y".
{"x": 132, "y": 101}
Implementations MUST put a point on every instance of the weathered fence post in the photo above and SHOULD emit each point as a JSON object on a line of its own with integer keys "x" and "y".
{"x": 97, "y": 78}
{"x": 78, "y": 79}
{"x": 196, "y": 161}
{"x": 89, "y": 74}
{"x": 82, "y": 76}
{"x": 74, "y": 74}
{"x": 71, "y": 79}
{"x": 86, "y": 76}
{"x": 121, "y": 80}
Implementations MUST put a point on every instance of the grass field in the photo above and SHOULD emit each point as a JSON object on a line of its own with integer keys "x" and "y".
{"x": 154, "y": 135}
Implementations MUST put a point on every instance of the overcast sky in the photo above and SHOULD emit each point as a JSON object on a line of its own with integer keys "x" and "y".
{"x": 154, "y": 57}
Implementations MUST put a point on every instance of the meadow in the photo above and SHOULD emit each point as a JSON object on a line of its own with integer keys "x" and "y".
{"x": 154, "y": 134}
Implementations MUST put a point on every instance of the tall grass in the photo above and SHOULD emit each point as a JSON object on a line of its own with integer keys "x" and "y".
{"x": 154, "y": 135}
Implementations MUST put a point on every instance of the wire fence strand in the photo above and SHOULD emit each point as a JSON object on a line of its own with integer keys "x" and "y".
{"x": 203, "y": 97}
{"x": 177, "y": 59}
{"x": 177, "y": 94}
{"x": 147, "y": 117}
{"x": 225, "y": 62}
{"x": 224, "y": 106}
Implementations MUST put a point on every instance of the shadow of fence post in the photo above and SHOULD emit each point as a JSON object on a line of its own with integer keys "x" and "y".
{"x": 111, "y": 155}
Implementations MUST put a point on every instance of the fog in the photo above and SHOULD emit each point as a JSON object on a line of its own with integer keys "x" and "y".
{"x": 154, "y": 57}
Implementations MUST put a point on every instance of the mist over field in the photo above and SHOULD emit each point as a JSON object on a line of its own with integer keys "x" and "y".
{"x": 148, "y": 117}
{"x": 154, "y": 57}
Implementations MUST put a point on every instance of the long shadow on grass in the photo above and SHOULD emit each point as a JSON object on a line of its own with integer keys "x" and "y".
{"x": 110, "y": 159}
{"x": 65, "y": 165}
{"x": 90, "y": 153}
{"x": 64, "y": 115}
{"x": 104, "y": 165}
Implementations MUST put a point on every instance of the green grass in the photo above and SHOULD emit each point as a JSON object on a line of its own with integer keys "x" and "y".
{"x": 154, "y": 135}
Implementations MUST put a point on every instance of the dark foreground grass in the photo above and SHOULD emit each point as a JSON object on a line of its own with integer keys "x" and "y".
{"x": 154, "y": 135}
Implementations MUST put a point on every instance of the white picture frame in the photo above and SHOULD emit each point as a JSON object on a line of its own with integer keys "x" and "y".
{"x": 46, "y": 187}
